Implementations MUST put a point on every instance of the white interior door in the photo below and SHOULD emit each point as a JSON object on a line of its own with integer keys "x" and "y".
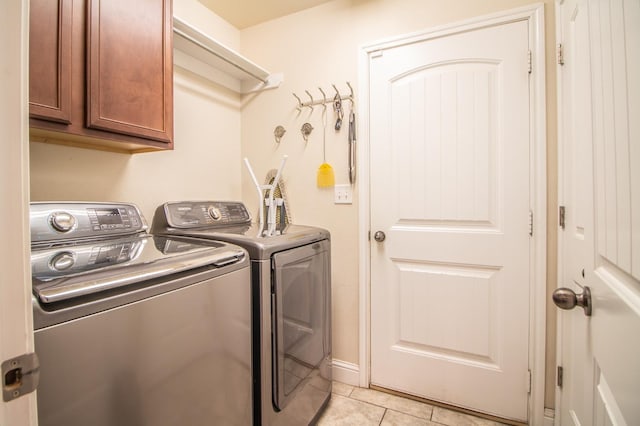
{"x": 16, "y": 328}
{"x": 450, "y": 170}
{"x": 600, "y": 189}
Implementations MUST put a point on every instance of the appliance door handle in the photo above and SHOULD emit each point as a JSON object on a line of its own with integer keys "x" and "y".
{"x": 80, "y": 286}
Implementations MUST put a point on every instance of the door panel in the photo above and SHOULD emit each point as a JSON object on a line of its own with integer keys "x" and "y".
{"x": 130, "y": 84}
{"x": 600, "y": 100}
{"x": 450, "y": 284}
{"x": 424, "y": 157}
{"x": 50, "y": 60}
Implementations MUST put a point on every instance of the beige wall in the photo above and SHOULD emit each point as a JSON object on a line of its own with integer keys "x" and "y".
{"x": 205, "y": 163}
{"x": 316, "y": 48}
{"x": 214, "y": 129}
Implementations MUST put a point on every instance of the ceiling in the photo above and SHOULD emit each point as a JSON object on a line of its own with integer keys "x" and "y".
{"x": 245, "y": 13}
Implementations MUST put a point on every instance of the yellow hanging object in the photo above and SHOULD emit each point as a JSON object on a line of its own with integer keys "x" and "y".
{"x": 326, "y": 177}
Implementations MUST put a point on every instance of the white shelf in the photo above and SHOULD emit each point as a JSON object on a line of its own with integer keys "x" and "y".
{"x": 201, "y": 54}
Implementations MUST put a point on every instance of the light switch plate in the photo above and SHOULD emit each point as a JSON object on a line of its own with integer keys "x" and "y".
{"x": 343, "y": 194}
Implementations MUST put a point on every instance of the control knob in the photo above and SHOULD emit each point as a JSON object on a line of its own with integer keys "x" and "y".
{"x": 62, "y": 261}
{"x": 63, "y": 221}
{"x": 214, "y": 213}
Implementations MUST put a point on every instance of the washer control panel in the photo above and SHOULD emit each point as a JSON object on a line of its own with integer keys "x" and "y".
{"x": 51, "y": 222}
{"x": 194, "y": 214}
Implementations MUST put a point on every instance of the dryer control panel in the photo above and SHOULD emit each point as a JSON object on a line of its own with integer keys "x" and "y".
{"x": 196, "y": 214}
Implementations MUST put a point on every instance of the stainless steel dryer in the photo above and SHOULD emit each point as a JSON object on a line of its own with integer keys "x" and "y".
{"x": 291, "y": 287}
{"x": 133, "y": 329}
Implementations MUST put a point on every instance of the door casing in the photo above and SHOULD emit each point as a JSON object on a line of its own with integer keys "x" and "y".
{"x": 16, "y": 325}
{"x": 534, "y": 15}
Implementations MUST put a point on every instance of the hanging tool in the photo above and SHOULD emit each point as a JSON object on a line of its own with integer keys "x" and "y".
{"x": 326, "y": 176}
{"x": 337, "y": 107}
{"x": 352, "y": 145}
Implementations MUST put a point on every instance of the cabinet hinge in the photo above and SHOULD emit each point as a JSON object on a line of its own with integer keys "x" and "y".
{"x": 560, "y": 54}
{"x": 20, "y": 376}
{"x": 528, "y": 381}
{"x": 531, "y": 223}
{"x": 561, "y": 219}
{"x": 559, "y": 378}
{"x": 529, "y": 61}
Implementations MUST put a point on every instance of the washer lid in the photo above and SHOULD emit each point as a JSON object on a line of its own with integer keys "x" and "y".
{"x": 80, "y": 269}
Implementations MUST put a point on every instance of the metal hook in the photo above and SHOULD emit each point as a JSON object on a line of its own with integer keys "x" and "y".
{"x": 299, "y": 107}
{"x": 337, "y": 91}
{"x": 351, "y": 97}
{"x": 310, "y": 105}
{"x": 278, "y": 133}
{"x": 324, "y": 98}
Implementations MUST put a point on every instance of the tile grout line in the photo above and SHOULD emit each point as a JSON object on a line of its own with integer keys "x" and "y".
{"x": 382, "y": 418}
{"x": 348, "y": 395}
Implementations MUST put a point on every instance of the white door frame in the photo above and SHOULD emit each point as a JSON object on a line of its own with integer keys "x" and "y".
{"x": 534, "y": 14}
{"x": 16, "y": 326}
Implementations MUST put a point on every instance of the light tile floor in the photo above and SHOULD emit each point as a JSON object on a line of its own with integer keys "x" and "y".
{"x": 353, "y": 406}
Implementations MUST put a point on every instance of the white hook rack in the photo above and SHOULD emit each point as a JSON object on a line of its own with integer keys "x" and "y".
{"x": 309, "y": 104}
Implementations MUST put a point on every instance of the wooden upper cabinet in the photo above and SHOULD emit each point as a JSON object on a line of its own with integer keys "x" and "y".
{"x": 129, "y": 69}
{"x": 50, "y": 60}
{"x": 101, "y": 73}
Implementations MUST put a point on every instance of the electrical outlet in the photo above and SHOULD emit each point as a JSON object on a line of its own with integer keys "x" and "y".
{"x": 343, "y": 194}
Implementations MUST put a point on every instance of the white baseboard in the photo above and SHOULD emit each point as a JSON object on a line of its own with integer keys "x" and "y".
{"x": 549, "y": 416}
{"x": 346, "y": 372}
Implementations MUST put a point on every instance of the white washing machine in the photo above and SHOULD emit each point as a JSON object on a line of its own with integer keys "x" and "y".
{"x": 291, "y": 305}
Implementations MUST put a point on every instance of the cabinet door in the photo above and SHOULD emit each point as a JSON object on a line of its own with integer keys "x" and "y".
{"x": 130, "y": 68}
{"x": 50, "y": 60}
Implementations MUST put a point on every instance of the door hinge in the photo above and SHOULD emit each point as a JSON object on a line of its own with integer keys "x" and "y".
{"x": 559, "y": 378}
{"x": 369, "y": 235}
{"x": 561, "y": 219}
{"x": 529, "y": 61}
{"x": 560, "y": 54}
{"x": 20, "y": 376}
{"x": 531, "y": 223}
{"x": 528, "y": 381}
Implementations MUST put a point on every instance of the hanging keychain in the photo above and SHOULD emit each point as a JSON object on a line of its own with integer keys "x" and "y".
{"x": 337, "y": 107}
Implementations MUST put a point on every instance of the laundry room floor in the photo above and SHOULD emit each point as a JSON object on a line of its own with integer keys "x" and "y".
{"x": 355, "y": 406}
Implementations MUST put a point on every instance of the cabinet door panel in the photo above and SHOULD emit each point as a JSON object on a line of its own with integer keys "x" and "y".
{"x": 50, "y": 60}
{"x": 130, "y": 68}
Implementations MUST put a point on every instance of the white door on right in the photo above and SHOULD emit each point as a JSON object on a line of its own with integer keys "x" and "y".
{"x": 450, "y": 188}
{"x": 599, "y": 117}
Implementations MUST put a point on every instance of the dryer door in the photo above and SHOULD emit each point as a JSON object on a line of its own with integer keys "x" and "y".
{"x": 301, "y": 317}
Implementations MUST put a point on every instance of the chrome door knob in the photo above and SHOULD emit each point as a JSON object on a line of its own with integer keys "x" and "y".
{"x": 379, "y": 236}
{"x": 565, "y": 298}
